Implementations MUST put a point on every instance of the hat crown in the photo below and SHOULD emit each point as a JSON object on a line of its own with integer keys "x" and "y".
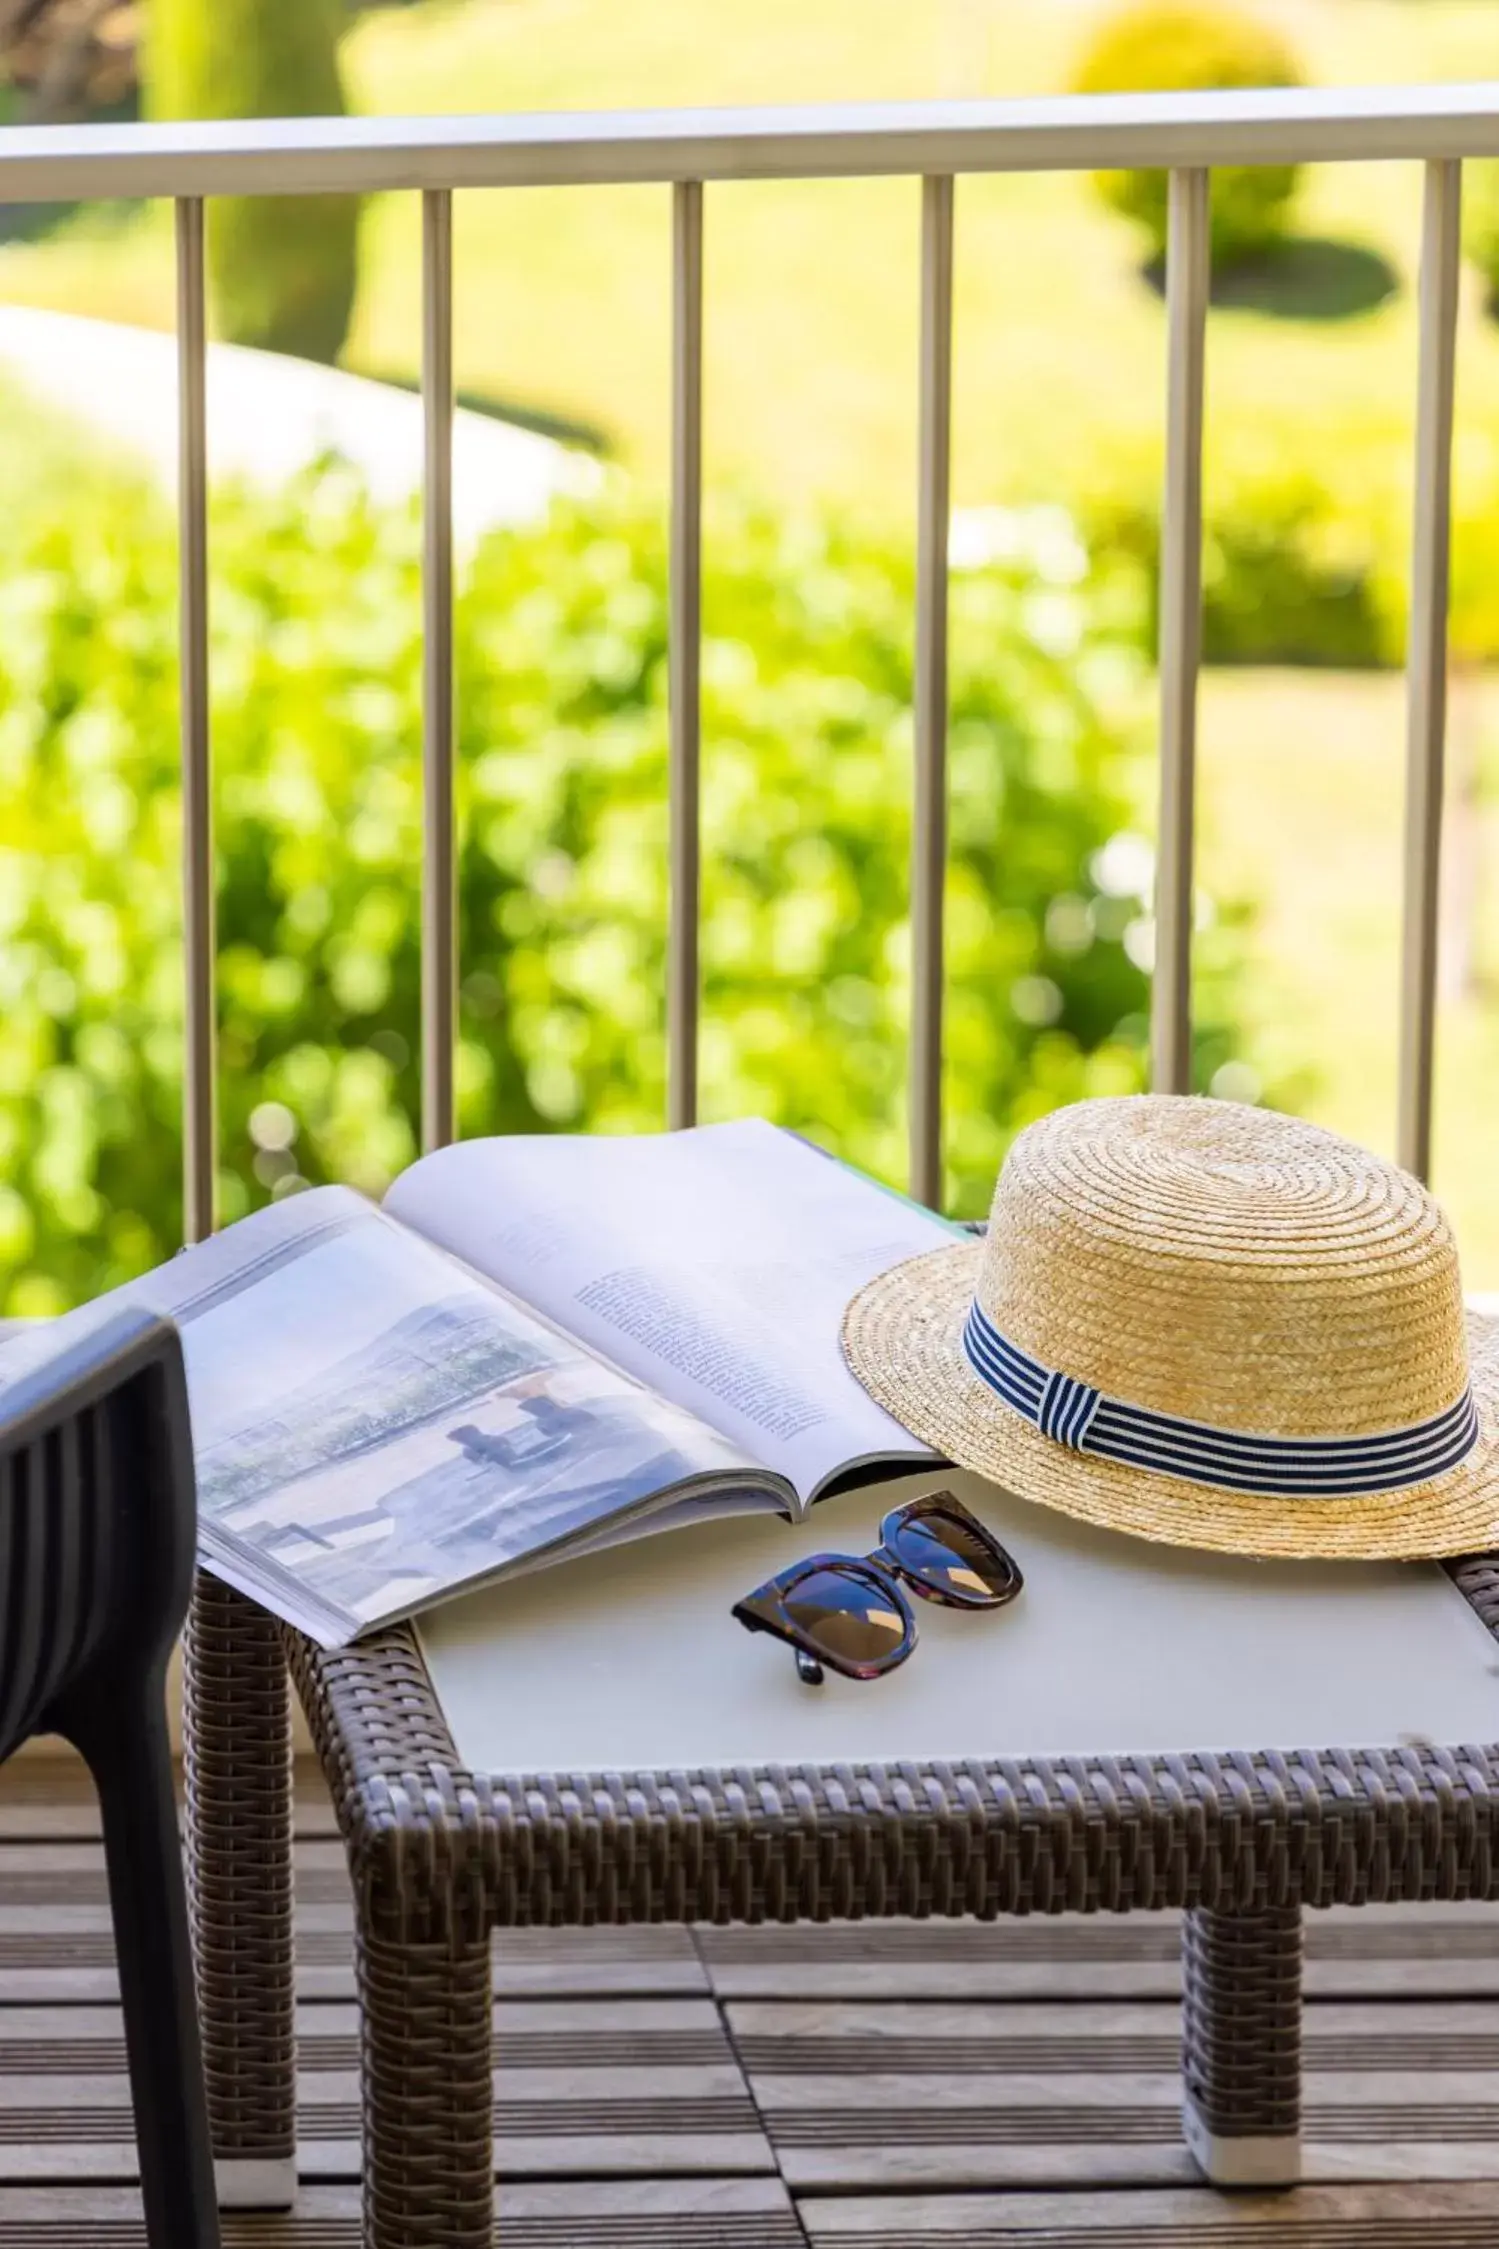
{"x": 1226, "y": 1264}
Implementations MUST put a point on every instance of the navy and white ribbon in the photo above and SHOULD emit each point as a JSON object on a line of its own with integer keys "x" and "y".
{"x": 1087, "y": 1421}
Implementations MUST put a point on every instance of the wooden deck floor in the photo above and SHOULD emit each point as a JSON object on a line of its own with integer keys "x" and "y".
{"x": 897, "y": 2087}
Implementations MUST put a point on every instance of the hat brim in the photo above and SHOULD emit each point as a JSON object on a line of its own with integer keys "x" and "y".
{"x": 903, "y": 1339}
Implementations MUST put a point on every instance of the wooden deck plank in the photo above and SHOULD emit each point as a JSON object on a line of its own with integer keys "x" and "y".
{"x": 72, "y": 1872}
{"x": 40, "y": 2042}
{"x": 518, "y": 2157}
{"x": 1010, "y": 2146}
{"x": 65, "y": 1957}
{"x": 1451, "y": 2217}
{"x": 630, "y": 2214}
{"x": 825, "y": 2038}
{"x": 61, "y": 1951}
{"x": 1426, "y": 1952}
{"x": 51, "y": 1799}
{"x": 860, "y": 2098}
{"x": 575, "y": 2096}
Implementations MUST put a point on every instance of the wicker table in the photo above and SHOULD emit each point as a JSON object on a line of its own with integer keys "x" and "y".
{"x": 441, "y": 1854}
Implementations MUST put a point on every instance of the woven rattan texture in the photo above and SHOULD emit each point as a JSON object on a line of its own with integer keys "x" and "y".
{"x": 1241, "y": 2021}
{"x": 436, "y": 1849}
{"x": 428, "y": 2103}
{"x": 237, "y": 1753}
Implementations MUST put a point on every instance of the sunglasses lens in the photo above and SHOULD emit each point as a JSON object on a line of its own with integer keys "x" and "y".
{"x": 846, "y": 1615}
{"x": 956, "y": 1560}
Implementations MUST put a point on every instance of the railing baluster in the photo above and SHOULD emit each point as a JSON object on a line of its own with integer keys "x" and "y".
{"x": 199, "y": 1062}
{"x": 1426, "y": 661}
{"x": 1187, "y": 268}
{"x": 439, "y": 870}
{"x": 684, "y": 645}
{"x": 929, "y": 824}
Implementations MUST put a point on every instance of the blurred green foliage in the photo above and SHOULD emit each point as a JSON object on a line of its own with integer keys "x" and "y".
{"x": 561, "y": 637}
{"x": 1310, "y": 565}
{"x": 283, "y": 268}
{"x": 1186, "y": 46}
{"x": 1289, "y": 574}
{"x": 1481, "y": 224}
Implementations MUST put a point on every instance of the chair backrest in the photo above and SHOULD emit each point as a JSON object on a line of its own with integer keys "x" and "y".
{"x": 98, "y": 1516}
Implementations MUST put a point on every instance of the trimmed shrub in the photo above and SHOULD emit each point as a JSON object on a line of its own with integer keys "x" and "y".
{"x": 283, "y": 268}
{"x": 561, "y": 651}
{"x": 1185, "y": 46}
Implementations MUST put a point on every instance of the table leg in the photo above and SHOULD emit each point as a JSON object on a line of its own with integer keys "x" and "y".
{"x": 428, "y": 2094}
{"x": 1241, "y": 2045}
{"x": 237, "y": 1753}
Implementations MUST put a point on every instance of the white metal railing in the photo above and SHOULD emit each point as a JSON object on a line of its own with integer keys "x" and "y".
{"x": 687, "y": 151}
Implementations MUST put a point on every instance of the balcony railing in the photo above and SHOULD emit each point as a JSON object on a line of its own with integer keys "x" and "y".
{"x": 689, "y": 151}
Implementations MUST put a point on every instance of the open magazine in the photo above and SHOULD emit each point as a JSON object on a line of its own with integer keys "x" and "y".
{"x": 536, "y": 1347}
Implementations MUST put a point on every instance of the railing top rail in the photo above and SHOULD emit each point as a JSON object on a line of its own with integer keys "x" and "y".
{"x": 851, "y": 140}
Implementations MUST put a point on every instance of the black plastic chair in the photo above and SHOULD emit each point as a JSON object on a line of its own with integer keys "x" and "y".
{"x": 98, "y": 1515}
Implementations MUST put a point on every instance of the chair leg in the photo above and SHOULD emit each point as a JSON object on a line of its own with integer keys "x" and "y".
{"x": 428, "y": 2095}
{"x": 125, "y": 1741}
{"x": 1241, "y": 2046}
{"x": 237, "y": 1753}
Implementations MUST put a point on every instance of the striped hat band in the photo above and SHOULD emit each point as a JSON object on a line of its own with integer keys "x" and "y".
{"x": 1075, "y": 1414}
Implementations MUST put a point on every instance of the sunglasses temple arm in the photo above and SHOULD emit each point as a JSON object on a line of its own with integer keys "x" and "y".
{"x": 808, "y": 1669}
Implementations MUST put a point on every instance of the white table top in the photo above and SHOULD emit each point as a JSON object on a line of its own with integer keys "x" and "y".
{"x": 630, "y": 1660}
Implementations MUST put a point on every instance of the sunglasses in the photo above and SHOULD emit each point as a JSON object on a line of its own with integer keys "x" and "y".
{"x": 848, "y": 1611}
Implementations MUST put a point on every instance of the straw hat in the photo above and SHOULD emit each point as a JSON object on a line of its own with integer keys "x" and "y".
{"x": 1207, "y": 1324}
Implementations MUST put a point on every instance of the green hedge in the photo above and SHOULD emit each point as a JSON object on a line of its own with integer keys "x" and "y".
{"x": 561, "y": 657}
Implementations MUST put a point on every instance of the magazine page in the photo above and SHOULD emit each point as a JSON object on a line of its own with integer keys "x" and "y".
{"x": 713, "y": 1264}
{"x": 374, "y": 1425}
